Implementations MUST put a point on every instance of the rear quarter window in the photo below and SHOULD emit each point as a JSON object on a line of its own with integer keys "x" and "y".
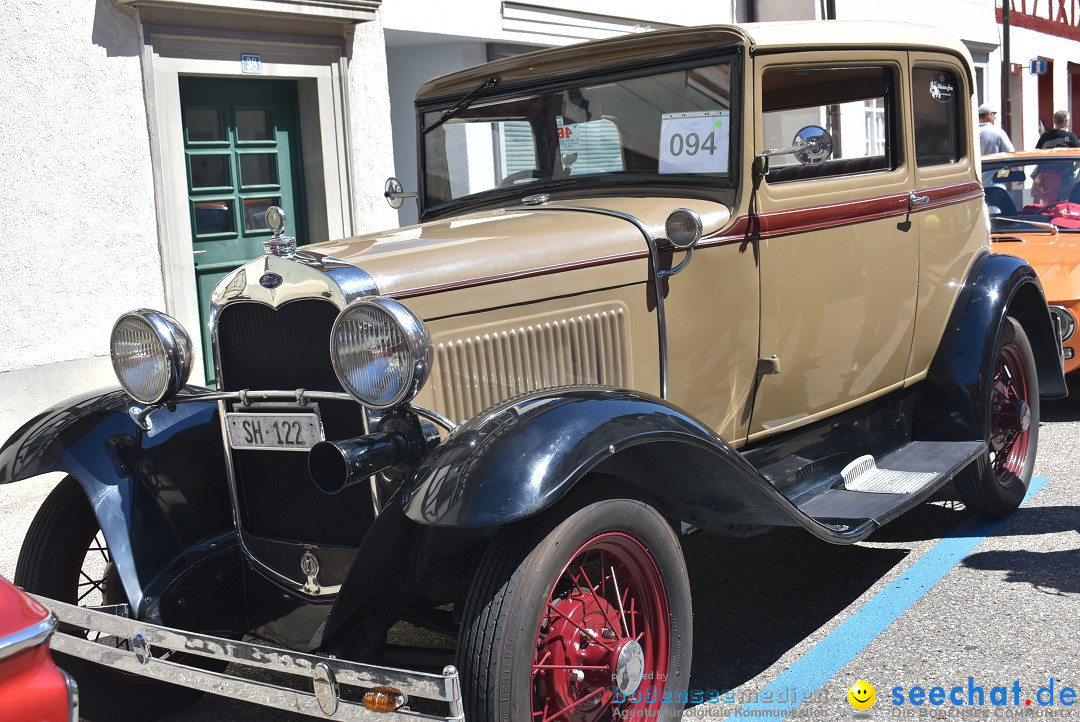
{"x": 938, "y": 98}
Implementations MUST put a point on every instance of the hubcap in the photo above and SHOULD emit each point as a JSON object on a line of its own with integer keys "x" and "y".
{"x": 629, "y": 667}
{"x": 603, "y": 635}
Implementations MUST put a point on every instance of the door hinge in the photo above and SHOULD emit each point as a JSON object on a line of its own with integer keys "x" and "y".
{"x": 768, "y": 366}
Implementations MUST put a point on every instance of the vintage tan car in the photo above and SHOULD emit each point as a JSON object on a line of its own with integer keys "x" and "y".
{"x": 722, "y": 278}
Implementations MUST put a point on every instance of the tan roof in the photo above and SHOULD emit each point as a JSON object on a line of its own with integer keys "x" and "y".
{"x": 624, "y": 50}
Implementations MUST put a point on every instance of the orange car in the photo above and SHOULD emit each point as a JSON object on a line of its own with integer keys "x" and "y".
{"x": 1034, "y": 203}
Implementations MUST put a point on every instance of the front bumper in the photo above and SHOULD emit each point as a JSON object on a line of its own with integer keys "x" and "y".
{"x": 320, "y": 681}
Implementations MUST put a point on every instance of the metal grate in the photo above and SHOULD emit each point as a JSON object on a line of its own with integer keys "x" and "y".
{"x": 289, "y": 348}
{"x": 473, "y": 373}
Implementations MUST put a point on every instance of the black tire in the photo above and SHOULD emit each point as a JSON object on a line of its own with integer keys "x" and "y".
{"x": 61, "y": 539}
{"x": 527, "y": 571}
{"x": 994, "y": 485}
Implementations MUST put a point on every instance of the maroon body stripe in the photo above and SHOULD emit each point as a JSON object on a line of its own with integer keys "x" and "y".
{"x": 770, "y": 225}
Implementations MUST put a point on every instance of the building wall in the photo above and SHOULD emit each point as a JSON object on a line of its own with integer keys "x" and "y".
{"x": 409, "y": 67}
{"x": 371, "y": 153}
{"x": 77, "y": 198}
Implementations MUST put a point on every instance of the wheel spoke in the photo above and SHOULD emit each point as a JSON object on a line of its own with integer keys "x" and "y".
{"x": 597, "y": 639}
{"x": 592, "y": 590}
{"x": 615, "y": 581}
{"x": 574, "y": 704}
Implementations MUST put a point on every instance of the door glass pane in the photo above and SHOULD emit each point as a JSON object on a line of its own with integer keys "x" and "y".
{"x": 204, "y": 125}
{"x": 253, "y": 125}
{"x": 255, "y": 213}
{"x": 939, "y": 121}
{"x": 258, "y": 169}
{"x": 210, "y": 171}
{"x": 213, "y": 217}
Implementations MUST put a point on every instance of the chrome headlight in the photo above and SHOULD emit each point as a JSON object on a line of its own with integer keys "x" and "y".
{"x": 151, "y": 354}
{"x": 1065, "y": 320}
{"x": 381, "y": 352}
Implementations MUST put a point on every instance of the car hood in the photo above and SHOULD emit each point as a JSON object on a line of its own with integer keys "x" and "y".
{"x": 1055, "y": 258}
{"x": 494, "y": 246}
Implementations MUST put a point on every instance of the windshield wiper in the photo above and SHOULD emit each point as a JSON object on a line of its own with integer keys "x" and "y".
{"x": 462, "y": 104}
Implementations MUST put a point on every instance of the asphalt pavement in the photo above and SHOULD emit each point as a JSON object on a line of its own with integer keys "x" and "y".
{"x": 935, "y": 599}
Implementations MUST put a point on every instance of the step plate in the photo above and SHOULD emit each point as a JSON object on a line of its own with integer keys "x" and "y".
{"x": 862, "y": 474}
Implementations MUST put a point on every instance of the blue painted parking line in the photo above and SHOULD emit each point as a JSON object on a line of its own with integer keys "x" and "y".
{"x": 826, "y": 658}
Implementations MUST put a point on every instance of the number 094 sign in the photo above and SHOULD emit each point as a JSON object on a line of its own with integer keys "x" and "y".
{"x": 694, "y": 142}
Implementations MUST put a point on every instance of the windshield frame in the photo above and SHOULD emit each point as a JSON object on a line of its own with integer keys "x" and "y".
{"x": 712, "y": 187}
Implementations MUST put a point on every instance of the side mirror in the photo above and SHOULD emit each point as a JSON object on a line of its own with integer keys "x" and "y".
{"x": 394, "y": 193}
{"x": 810, "y": 146}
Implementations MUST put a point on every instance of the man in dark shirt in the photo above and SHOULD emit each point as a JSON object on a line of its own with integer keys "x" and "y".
{"x": 1060, "y": 136}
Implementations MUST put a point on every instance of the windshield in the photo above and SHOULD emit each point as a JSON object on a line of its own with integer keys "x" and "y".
{"x": 669, "y": 127}
{"x": 1022, "y": 193}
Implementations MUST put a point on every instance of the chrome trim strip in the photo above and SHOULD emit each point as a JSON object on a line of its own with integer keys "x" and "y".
{"x": 445, "y": 687}
{"x": 1066, "y": 321}
{"x": 73, "y": 697}
{"x": 234, "y": 498}
{"x": 28, "y": 637}
{"x": 433, "y": 416}
{"x": 658, "y": 277}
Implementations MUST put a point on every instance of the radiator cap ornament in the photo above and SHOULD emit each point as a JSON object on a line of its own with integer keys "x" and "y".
{"x": 279, "y": 244}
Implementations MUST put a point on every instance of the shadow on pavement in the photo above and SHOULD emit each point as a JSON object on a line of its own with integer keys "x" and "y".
{"x": 1049, "y": 572}
{"x": 755, "y": 599}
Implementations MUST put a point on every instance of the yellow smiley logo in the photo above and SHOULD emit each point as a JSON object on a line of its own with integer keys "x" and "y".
{"x": 862, "y": 695}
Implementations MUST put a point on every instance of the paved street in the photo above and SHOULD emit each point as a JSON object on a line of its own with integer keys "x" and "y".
{"x": 1009, "y": 611}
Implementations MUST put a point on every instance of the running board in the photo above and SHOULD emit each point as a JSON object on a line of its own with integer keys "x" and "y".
{"x": 879, "y": 490}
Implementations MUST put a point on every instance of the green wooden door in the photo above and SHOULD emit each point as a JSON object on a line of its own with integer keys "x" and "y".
{"x": 242, "y": 147}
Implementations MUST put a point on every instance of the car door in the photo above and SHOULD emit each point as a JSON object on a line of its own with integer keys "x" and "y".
{"x": 949, "y": 214}
{"x": 839, "y": 255}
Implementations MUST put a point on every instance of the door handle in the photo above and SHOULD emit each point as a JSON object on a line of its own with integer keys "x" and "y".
{"x": 915, "y": 200}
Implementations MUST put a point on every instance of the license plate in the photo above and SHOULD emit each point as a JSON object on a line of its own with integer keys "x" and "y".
{"x": 282, "y": 432}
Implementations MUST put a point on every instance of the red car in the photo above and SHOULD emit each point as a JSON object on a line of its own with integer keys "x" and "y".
{"x": 32, "y": 687}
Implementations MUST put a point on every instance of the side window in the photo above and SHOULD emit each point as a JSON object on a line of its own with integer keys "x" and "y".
{"x": 938, "y": 99}
{"x": 854, "y": 104}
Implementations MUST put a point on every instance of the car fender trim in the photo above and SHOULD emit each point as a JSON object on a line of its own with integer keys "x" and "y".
{"x": 523, "y": 455}
{"x": 952, "y": 398}
{"x": 130, "y": 476}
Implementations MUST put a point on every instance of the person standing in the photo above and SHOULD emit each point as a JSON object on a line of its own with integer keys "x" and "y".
{"x": 992, "y": 138}
{"x": 1060, "y": 136}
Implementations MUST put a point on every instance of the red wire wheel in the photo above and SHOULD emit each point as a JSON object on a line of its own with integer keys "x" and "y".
{"x": 578, "y": 616}
{"x": 995, "y": 484}
{"x": 1010, "y": 415}
{"x": 603, "y": 641}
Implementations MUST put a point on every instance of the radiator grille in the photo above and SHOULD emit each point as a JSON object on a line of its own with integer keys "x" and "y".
{"x": 286, "y": 349}
{"x": 473, "y": 373}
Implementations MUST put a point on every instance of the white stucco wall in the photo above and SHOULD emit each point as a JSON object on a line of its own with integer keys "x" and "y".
{"x": 371, "y": 159}
{"x": 408, "y": 68}
{"x": 77, "y": 198}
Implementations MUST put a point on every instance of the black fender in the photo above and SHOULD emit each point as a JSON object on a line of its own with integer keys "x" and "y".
{"x": 523, "y": 455}
{"x": 155, "y": 493}
{"x": 952, "y": 400}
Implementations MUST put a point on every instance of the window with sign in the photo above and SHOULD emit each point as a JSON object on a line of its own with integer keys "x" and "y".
{"x": 665, "y": 127}
{"x": 854, "y": 104}
{"x": 939, "y": 116}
